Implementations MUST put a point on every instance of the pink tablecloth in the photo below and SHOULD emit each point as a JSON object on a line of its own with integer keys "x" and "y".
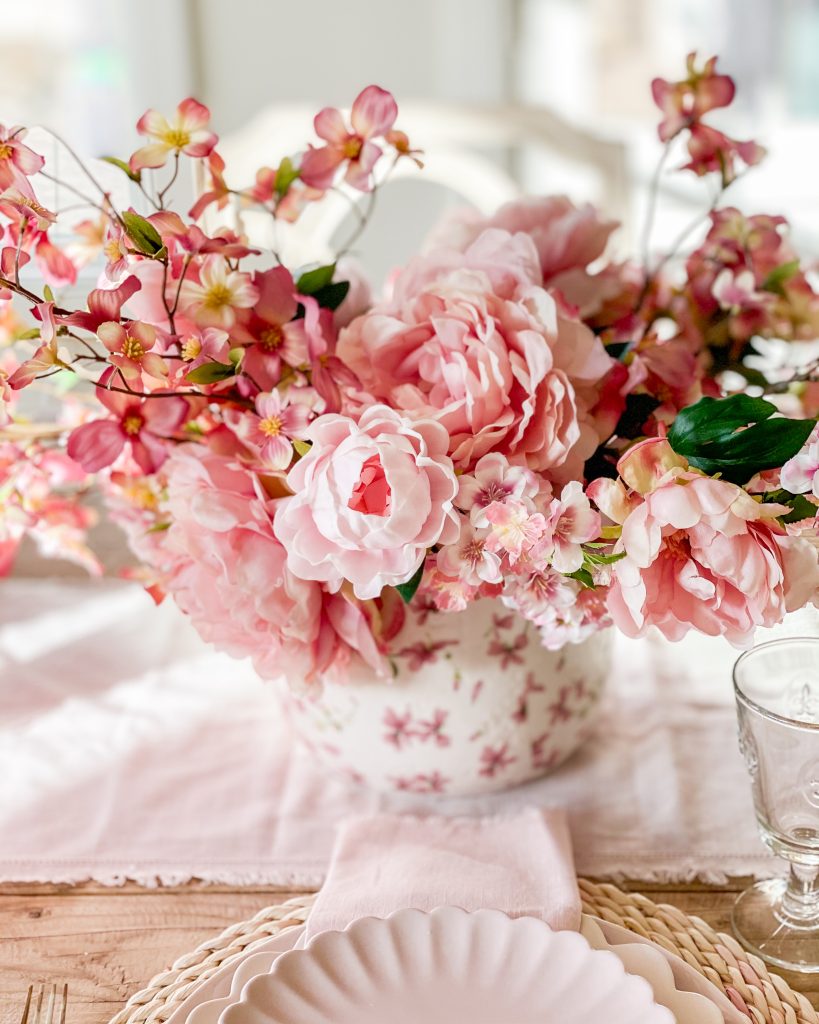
{"x": 130, "y": 750}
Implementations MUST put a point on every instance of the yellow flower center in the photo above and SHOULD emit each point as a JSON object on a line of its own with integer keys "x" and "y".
{"x": 271, "y": 426}
{"x": 132, "y": 424}
{"x": 353, "y": 147}
{"x": 5, "y": 151}
{"x": 112, "y": 250}
{"x": 271, "y": 338}
{"x": 176, "y": 137}
{"x": 132, "y": 348}
{"x": 217, "y": 296}
{"x": 191, "y": 348}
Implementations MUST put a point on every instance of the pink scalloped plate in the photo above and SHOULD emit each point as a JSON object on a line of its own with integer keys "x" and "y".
{"x": 447, "y": 967}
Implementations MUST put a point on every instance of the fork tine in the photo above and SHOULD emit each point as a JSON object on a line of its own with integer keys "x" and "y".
{"x": 28, "y": 1005}
{"x": 40, "y": 993}
{"x": 49, "y": 1012}
{"x": 64, "y": 1002}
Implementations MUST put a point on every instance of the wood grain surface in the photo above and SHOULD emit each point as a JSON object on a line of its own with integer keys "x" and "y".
{"x": 107, "y": 943}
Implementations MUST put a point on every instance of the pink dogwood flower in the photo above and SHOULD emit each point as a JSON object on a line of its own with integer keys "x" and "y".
{"x": 17, "y": 161}
{"x": 214, "y": 299}
{"x": 130, "y": 349}
{"x": 277, "y": 423}
{"x": 187, "y": 133}
{"x": 104, "y": 304}
{"x": 142, "y": 424}
{"x": 373, "y": 114}
{"x": 683, "y": 103}
{"x": 47, "y": 357}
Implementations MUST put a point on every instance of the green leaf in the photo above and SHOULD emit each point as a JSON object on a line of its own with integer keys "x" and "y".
{"x": 332, "y": 295}
{"x": 210, "y": 373}
{"x": 29, "y": 335}
{"x": 235, "y": 355}
{"x": 48, "y": 294}
{"x": 407, "y": 589}
{"x": 595, "y": 558}
{"x": 286, "y": 174}
{"x": 302, "y": 447}
{"x": 779, "y": 276}
{"x": 584, "y": 577}
{"x": 159, "y": 527}
{"x": 801, "y": 508}
{"x": 618, "y": 349}
{"x": 142, "y": 233}
{"x": 123, "y": 166}
{"x": 312, "y": 281}
{"x": 736, "y": 437}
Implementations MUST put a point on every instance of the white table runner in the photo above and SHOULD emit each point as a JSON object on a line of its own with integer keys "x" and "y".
{"x": 129, "y": 750}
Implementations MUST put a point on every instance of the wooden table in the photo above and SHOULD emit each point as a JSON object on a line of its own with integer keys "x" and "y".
{"x": 107, "y": 943}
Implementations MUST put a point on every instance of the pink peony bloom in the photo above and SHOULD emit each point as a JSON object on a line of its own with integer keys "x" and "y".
{"x": 703, "y": 554}
{"x": 800, "y": 475}
{"x": 226, "y": 568}
{"x": 567, "y": 238}
{"x": 143, "y": 424}
{"x": 473, "y": 341}
{"x": 187, "y": 134}
{"x": 373, "y": 114}
{"x": 370, "y": 499}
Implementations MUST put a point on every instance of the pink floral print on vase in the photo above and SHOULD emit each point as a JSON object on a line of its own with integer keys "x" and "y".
{"x": 399, "y": 728}
{"x": 495, "y": 760}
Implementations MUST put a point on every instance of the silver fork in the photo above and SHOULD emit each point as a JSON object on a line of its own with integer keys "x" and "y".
{"x": 45, "y": 1005}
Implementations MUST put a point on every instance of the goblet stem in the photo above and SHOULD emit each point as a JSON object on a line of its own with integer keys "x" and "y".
{"x": 800, "y": 901}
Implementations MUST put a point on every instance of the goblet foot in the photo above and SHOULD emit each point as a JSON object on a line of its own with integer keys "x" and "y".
{"x": 763, "y": 924}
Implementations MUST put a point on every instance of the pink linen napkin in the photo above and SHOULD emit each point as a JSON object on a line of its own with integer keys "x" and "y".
{"x": 521, "y": 864}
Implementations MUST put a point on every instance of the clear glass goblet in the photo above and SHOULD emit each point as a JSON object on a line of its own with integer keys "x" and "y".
{"x": 777, "y": 692}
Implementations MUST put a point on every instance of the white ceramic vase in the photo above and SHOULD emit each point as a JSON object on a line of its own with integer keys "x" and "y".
{"x": 476, "y": 704}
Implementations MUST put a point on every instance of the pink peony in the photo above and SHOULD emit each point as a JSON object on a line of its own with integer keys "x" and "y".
{"x": 472, "y": 340}
{"x": 370, "y": 499}
{"x": 702, "y": 553}
{"x": 226, "y": 568}
{"x": 567, "y": 239}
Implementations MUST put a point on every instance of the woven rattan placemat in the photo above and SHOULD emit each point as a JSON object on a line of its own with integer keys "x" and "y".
{"x": 744, "y": 978}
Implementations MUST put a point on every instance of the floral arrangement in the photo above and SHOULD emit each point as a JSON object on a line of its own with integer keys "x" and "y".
{"x": 519, "y": 417}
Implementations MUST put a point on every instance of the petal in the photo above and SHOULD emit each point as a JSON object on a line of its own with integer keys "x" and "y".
{"x": 165, "y": 415}
{"x": 201, "y": 144}
{"x": 192, "y": 115}
{"x": 155, "y": 155}
{"x": 277, "y": 452}
{"x": 152, "y": 123}
{"x": 112, "y": 335}
{"x": 329, "y": 125}
{"x": 96, "y": 445}
{"x": 359, "y": 172}
{"x": 319, "y": 166}
{"x": 154, "y": 365}
{"x": 145, "y": 334}
{"x": 374, "y": 112}
{"x": 26, "y": 160}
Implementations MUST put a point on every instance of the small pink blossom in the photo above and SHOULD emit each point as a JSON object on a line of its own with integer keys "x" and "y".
{"x": 469, "y": 558}
{"x": 18, "y": 162}
{"x": 572, "y": 522}
{"x": 513, "y": 529}
{"x": 736, "y": 290}
{"x": 494, "y": 480}
{"x": 213, "y": 300}
{"x": 373, "y": 114}
{"x": 144, "y": 425}
{"x": 197, "y": 347}
{"x": 277, "y": 422}
{"x": 130, "y": 349}
{"x": 683, "y": 103}
{"x": 187, "y": 133}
